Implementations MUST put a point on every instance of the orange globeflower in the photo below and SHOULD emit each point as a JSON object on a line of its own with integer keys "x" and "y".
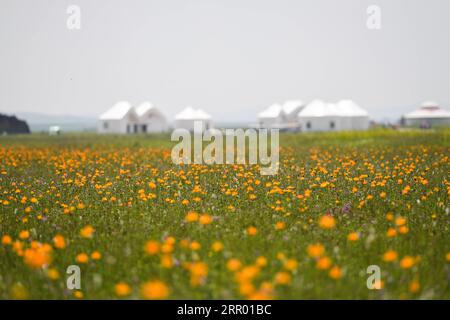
{"x": 283, "y": 278}
{"x": 122, "y": 289}
{"x": 290, "y": 264}
{"x": 199, "y": 271}
{"x": 414, "y": 286}
{"x": 82, "y": 258}
{"x": 53, "y": 274}
{"x": 354, "y": 236}
{"x": 96, "y": 255}
{"x": 315, "y": 250}
{"x": 251, "y": 231}
{"x": 391, "y": 233}
{"x": 6, "y": 240}
{"x": 400, "y": 221}
{"x": 217, "y": 246}
{"x": 205, "y": 219}
{"x": 59, "y": 241}
{"x": 191, "y": 216}
{"x": 335, "y": 273}
{"x": 38, "y": 256}
{"x": 447, "y": 256}
{"x": 87, "y": 231}
{"x": 407, "y": 262}
{"x": 234, "y": 264}
{"x": 327, "y": 222}
{"x": 261, "y": 261}
{"x": 152, "y": 247}
{"x": 24, "y": 234}
{"x": 280, "y": 225}
{"x": 390, "y": 256}
{"x": 323, "y": 263}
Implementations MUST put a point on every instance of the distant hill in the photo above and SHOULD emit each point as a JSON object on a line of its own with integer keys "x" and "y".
{"x": 12, "y": 125}
{"x": 41, "y": 121}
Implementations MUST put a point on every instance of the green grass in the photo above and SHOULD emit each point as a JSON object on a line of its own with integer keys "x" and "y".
{"x": 68, "y": 170}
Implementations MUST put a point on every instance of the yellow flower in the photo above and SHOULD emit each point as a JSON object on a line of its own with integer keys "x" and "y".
{"x": 24, "y": 234}
{"x": 327, "y": 222}
{"x": 283, "y": 278}
{"x": 205, "y": 219}
{"x": 166, "y": 261}
{"x": 53, "y": 274}
{"x": 251, "y": 231}
{"x": 152, "y": 247}
{"x": 354, "y": 236}
{"x": 82, "y": 258}
{"x": 6, "y": 240}
{"x": 447, "y": 256}
{"x": 234, "y": 264}
{"x": 290, "y": 265}
{"x": 87, "y": 231}
{"x": 335, "y": 273}
{"x": 191, "y": 216}
{"x": 19, "y": 292}
{"x": 389, "y": 216}
{"x": 261, "y": 261}
{"x": 152, "y": 185}
{"x": 403, "y": 229}
{"x": 122, "y": 289}
{"x": 154, "y": 290}
{"x": 59, "y": 241}
{"x": 217, "y": 246}
{"x": 78, "y": 294}
{"x": 407, "y": 262}
{"x": 390, "y": 256}
{"x": 315, "y": 250}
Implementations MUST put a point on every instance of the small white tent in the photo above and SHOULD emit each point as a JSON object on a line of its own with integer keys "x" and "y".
{"x": 322, "y": 116}
{"x": 353, "y": 117}
{"x": 430, "y": 114}
{"x": 121, "y": 118}
{"x": 272, "y": 117}
{"x": 150, "y": 119}
{"x": 188, "y": 116}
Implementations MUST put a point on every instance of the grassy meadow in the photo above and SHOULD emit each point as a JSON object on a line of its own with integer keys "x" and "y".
{"x": 140, "y": 227}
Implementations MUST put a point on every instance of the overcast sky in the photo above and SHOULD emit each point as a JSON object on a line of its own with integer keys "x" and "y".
{"x": 230, "y": 57}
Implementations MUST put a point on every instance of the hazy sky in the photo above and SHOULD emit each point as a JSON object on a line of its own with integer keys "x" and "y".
{"x": 230, "y": 57}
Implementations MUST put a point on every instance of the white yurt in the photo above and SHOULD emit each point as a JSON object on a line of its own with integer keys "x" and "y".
{"x": 151, "y": 120}
{"x": 322, "y": 116}
{"x": 121, "y": 118}
{"x": 292, "y": 108}
{"x": 188, "y": 116}
{"x": 428, "y": 115}
{"x": 353, "y": 117}
{"x": 272, "y": 117}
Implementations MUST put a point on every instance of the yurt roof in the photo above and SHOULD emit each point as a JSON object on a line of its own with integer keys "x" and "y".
{"x": 190, "y": 113}
{"x": 143, "y": 108}
{"x": 291, "y": 106}
{"x": 350, "y": 108}
{"x": 319, "y": 108}
{"x": 117, "y": 112}
{"x": 428, "y": 112}
{"x": 274, "y": 111}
